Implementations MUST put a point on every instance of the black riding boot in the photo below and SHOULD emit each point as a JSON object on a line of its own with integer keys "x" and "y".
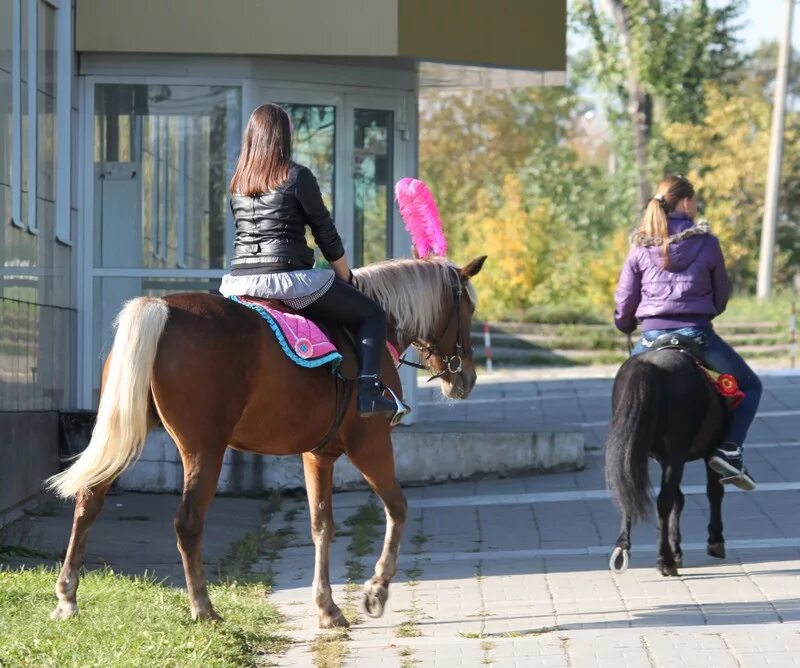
{"x": 344, "y": 305}
{"x": 370, "y": 397}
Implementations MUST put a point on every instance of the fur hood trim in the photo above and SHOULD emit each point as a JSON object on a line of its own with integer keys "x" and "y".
{"x": 700, "y": 227}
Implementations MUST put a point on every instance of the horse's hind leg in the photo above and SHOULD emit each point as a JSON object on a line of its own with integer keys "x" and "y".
{"x": 375, "y": 459}
{"x": 715, "y": 490}
{"x": 200, "y": 474}
{"x": 671, "y": 474}
{"x": 622, "y": 548}
{"x": 88, "y": 505}
{"x": 318, "y": 470}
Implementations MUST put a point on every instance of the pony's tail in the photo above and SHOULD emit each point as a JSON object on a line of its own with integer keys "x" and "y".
{"x": 121, "y": 425}
{"x": 630, "y": 437}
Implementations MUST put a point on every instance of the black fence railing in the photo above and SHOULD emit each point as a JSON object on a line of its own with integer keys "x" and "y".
{"x": 37, "y": 355}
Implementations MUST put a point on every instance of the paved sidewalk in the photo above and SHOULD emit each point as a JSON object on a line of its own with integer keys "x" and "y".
{"x": 515, "y": 572}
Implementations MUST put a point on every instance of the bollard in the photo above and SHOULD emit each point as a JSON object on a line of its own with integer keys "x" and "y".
{"x": 487, "y": 345}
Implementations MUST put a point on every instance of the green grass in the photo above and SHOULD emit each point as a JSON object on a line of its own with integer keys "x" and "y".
{"x": 128, "y": 622}
{"x": 776, "y": 309}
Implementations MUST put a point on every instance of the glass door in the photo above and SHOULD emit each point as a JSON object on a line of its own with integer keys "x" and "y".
{"x": 352, "y": 144}
{"x": 372, "y": 166}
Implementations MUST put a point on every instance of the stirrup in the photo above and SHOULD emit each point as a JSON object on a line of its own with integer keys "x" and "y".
{"x": 402, "y": 409}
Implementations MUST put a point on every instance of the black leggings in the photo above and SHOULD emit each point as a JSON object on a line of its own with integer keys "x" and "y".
{"x": 343, "y": 305}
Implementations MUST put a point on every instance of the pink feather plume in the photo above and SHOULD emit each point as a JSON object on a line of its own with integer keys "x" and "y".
{"x": 421, "y": 216}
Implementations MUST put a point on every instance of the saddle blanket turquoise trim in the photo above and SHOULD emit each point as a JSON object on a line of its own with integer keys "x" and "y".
{"x": 300, "y": 339}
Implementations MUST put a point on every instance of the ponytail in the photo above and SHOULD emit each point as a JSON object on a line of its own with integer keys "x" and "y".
{"x": 654, "y": 228}
{"x": 654, "y": 225}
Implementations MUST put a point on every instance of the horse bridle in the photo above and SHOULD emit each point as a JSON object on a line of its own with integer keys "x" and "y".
{"x": 453, "y": 364}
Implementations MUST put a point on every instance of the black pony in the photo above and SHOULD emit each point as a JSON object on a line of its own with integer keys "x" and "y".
{"x": 664, "y": 407}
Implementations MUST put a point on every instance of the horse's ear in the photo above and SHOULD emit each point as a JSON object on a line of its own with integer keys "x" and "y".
{"x": 473, "y": 267}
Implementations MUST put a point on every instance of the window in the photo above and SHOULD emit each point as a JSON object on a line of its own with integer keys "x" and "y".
{"x": 164, "y": 155}
{"x": 35, "y": 115}
{"x": 6, "y": 110}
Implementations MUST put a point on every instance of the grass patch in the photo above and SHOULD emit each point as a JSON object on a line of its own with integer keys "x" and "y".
{"x": 329, "y": 648}
{"x": 407, "y": 659}
{"x": 47, "y": 508}
{"x": 409, "y": 629}
{"x": 7, "y": 551}
{"x": 364, "y": 525}
{"x": 237, "y": 564}
{"x": 748, "y": 308}
{"x": 128, "y": 622}
{"x": 486, "y": 648}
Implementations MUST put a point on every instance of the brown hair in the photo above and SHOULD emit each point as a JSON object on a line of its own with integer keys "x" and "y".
{"x": 266, "y": 152}
{"x": 670, "y": 191}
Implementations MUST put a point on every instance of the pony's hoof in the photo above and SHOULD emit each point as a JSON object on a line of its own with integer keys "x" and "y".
{"x": 375, "y": 597}
{"x": 668, "y": 570}
{"x": 332, "y": 620}
{"x": 64, "y": 610}
{"x": 619, "y": 560}
{"x": 716, "y": 550}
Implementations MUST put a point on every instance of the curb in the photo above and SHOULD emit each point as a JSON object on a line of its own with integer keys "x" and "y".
{"x": 420, "y": 457}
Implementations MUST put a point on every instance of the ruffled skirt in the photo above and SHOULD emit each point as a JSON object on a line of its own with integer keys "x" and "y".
{"x": 297, "y": 289}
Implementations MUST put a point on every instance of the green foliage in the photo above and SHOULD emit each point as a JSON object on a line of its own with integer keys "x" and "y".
{"x": 543, "y": 180}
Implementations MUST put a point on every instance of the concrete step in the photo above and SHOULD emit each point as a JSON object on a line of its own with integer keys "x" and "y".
{"x": 423, "y": 453}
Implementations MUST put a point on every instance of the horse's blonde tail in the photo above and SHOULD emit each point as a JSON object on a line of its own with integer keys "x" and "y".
{"x": 121, "y": 426}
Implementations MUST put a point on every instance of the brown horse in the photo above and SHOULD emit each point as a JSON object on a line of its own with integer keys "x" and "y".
{"x": 213, "y": 375}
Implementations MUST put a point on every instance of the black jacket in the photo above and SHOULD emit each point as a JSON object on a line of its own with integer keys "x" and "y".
{"x": 270, "y": 228}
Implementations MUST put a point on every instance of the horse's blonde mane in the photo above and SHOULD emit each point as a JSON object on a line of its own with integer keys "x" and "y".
{"x": 412, "y": 291}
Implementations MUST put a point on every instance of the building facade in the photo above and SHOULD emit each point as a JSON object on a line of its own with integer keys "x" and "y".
{"x": 120, "y": 123}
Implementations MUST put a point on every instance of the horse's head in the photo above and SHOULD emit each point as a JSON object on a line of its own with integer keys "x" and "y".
{"x": 448, "y": 353}
{"x": 429, "y": 304}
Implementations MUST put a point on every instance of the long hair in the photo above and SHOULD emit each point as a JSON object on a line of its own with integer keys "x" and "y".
{"x": 671, "y": 190}
{"x": 266, "y": 152}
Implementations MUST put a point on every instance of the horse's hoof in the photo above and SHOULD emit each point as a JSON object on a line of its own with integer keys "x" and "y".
{"x": 375, "y": 597}
{"x": 333, "y": 620}
{"x": 619, "y": 560}
{"x": 206, "y": 616}
{"x": 716, "y": 550}
{"x": 64, "y": 610}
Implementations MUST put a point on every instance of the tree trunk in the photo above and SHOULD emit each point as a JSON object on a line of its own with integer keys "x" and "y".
{"x": 639, "y": 102}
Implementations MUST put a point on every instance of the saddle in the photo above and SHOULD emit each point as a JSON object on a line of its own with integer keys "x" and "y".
{"x": 310, "y": 345}
{"x": 679, "y": 342}
{"x": 724, "y": 384}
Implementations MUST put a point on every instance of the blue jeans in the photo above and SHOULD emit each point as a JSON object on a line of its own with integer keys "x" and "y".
{"x": 719, "y": 356}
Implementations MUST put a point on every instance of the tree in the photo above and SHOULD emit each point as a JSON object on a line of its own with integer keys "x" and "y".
{"x": 650, "y": 59}
{"x": 730, "y": 147}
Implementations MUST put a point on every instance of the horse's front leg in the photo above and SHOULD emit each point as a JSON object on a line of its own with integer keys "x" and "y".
{"x": 88, "y": 505}
{"x": 318, "y": 472}
{"x": 675, "y": 528}
{"x": 375, "y": 459}
{"x": 715, "y": 490}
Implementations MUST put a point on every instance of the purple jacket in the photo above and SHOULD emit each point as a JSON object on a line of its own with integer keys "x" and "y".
{"x": 692, "y": 291}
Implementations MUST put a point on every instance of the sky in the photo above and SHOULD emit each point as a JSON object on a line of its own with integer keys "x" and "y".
{"x": 763, "y": 20}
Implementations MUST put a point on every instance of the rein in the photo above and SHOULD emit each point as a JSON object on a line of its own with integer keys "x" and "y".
{"x": 452, "y": 363}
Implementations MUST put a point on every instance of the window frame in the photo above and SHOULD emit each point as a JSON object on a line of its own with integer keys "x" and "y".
{"x": 27, "y": 219}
